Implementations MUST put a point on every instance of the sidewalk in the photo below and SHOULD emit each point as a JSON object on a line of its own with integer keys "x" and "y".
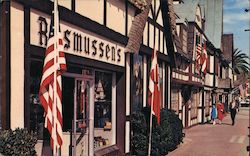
{"x": 217, "y": 140}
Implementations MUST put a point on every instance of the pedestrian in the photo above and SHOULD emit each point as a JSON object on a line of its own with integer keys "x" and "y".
{"x": 220, "y": 111}
{"x": 233, "y": 107}
{"x": 214, "y": 114}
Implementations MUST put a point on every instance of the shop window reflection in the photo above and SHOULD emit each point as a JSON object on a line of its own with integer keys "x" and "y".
{"x": 137, "y": 83}
{"x": 36, "y": 109}
{"x": 103, "y": 100}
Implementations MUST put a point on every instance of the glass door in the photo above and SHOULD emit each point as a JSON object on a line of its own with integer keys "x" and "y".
{"x": 83, "y": 127}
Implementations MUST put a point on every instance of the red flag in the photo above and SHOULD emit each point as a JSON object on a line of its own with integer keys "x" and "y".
{"x": 154, "y": 93}
{"x": 204, "y": 60}
{"x": 50, "y": 93}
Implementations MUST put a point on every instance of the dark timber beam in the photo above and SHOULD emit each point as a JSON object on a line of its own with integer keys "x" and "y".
{"x": 167, "y": 31}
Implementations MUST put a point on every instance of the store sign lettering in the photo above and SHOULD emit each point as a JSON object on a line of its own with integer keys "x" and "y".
{"x": 82, "y": 43}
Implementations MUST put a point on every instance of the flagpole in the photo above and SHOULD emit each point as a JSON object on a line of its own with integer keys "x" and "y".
{"x": 150, "y": 129}
{"x": 55, "y": 144}
{"x": 151, "y": 118}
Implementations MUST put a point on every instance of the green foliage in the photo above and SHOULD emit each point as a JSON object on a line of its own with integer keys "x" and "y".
{"x": 165, "y": 137}
{"x": 241, "y": 63}
{"x": 17, "y": 142}
{"x": 139, "y": 138}
{"x": 171, "y": 129}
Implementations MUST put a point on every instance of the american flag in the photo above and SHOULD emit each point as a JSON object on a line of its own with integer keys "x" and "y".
{"x": 154, "y": 93}
{"x": 50, "y": 92}
{"x": 198, "y": 56}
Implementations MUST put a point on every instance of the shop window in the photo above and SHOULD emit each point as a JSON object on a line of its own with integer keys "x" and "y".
{"x": 36, "y": 109}
{"x": 195, "y": 104}
{"x": 103, "y": 100}
{"x": 175, "y": 100}
{"x": 207, "y": 102}
{"x": 137, "y": 83}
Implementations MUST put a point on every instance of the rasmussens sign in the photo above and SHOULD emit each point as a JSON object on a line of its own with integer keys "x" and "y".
{"x": 77, "y": 41}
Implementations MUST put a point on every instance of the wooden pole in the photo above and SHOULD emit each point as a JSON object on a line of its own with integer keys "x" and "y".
{"x": 150, "y": 131}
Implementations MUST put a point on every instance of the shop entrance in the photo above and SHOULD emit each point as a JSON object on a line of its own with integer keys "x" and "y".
{"x": 79, "y": 100}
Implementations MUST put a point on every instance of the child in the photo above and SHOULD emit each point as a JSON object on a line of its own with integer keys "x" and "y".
{"x": 214, "y": 114}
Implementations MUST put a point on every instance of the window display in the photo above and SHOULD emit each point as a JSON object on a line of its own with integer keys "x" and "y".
{"x": 103, "y": 100}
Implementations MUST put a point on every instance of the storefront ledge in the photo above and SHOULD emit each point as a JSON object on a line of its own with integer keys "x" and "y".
{"x": 109, "y": 151}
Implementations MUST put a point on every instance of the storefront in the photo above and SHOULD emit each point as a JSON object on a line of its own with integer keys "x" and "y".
{"x": 102, "y": 85}
{"x": 92, "y": 88}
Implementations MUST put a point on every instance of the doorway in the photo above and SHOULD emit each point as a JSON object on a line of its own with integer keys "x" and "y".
{"x": 78, "y": 113}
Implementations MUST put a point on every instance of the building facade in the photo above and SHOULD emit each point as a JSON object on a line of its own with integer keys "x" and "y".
{"x": 195, "y": 90}
{"x": 99, "y": 72}
{"x": 190, "y": 28}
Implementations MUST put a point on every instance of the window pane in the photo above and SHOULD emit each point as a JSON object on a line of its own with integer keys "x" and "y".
{"x": 161, "y": 83}
{"x": 36, "y": 109}
{"x": 103, "y": 99}
{"x": 137, "y": 83}
{"x": 68, "y": 85}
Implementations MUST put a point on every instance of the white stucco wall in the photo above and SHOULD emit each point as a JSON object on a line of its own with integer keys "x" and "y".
{"x": 116, "y": 15}
{"x": 91, "y": 9}
{"x": 209, "y": 79}
{"x": 211, "y": 64}
{"x": 17, "y": 65}
{"x": 65, "y": 3}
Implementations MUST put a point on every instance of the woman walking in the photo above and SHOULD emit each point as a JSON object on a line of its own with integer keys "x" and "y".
{"x": 220, "y": 111}
{"x": 214, "y": 114}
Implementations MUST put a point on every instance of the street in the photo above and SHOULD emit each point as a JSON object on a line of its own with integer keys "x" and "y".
{"x": 217, "y": 140}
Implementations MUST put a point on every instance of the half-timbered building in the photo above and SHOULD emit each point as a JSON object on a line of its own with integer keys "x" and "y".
{"x": 190, "y": 28}
{"x": 99, "y": 72}
{"x": 201, "y": 18}
{"x": 225, "y": 83}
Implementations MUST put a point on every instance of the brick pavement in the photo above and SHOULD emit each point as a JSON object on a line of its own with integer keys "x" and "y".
{"x": 217, "y": 140}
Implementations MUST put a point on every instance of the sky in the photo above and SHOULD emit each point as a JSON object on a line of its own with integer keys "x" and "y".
{"x": 235, "y": 21}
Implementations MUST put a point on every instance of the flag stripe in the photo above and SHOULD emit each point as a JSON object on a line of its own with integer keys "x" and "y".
{"x": 50, "y": 92}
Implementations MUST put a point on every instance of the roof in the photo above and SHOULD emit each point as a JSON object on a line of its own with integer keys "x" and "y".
{"x": 140, "y": 4}
{"x": 210, "y": 9}
{"x": 186, "y": 10}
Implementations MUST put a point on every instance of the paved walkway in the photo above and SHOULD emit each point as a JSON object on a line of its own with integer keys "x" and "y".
{"x": 217, "y": 140}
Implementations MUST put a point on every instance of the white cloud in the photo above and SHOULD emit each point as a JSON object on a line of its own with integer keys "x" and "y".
{"x": 236, "y": 4}
{"x": 235, "y": 17}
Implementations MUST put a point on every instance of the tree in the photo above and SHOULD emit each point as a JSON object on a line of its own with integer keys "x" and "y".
{"x": 240, "y": 62}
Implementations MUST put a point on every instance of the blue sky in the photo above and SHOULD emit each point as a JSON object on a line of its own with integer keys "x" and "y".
{"x": 236, "y": 20}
